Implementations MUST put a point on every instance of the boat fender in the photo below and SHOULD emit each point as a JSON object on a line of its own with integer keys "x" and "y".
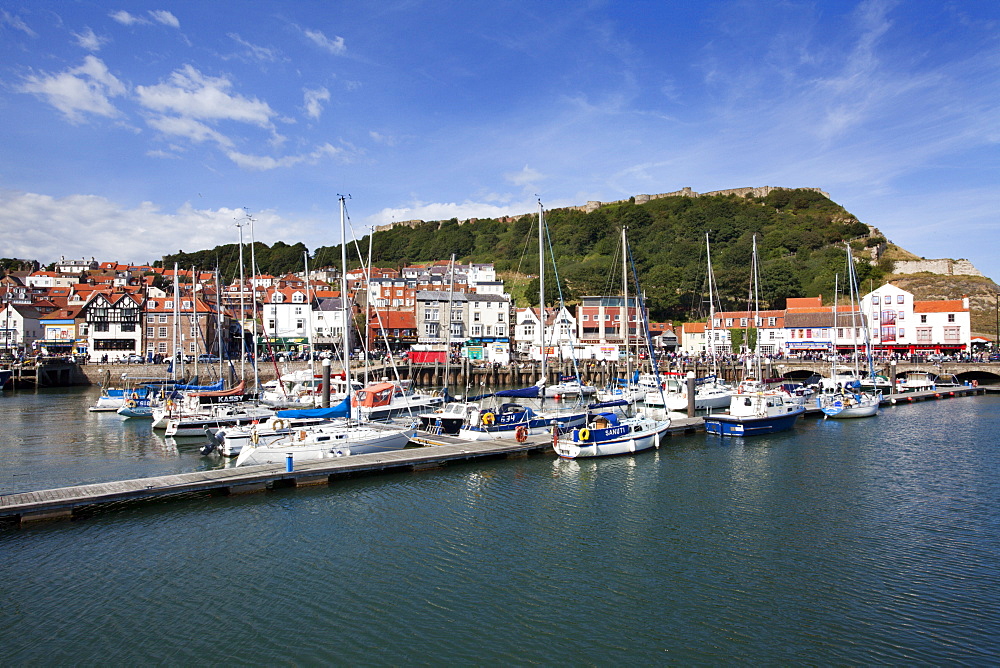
{"x": 254, "y": 437}
{"x": 584, "y": 434}
{"x": 488, "y": 418}
{"x": 170, "y": 404}
{"x": 521, "y": 434}
{"x": 135, "y": 395}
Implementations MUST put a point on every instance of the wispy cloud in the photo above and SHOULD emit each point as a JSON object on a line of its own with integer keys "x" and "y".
{"x": 255, "y": 52}
{"x": 15, "y": 22}
{"x": 314, "y": 100}
{"x": 89, "y": 40}
{"x": 265, "y": 162}
{"x": 165, "y": 17}
{"x": 335, "y": 46}
{"x": 156, "y": 15}
{"x": 78, "y": 91}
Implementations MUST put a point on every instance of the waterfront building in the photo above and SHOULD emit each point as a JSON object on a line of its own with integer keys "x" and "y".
{"x": 62, "y": 332}
{"x": 113, "y": 320}
{"x": 397, "y": 326}
{"x": 558, "y": 326}
{"x": 19, "y": 328}
{"x": 904, "y": 326}
{"x": 197, "y": 326}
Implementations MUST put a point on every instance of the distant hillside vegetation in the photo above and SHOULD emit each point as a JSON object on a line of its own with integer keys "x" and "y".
{"x": 800, "y": 237}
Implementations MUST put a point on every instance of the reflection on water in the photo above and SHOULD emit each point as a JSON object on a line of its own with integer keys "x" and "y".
{"x": 841, "y": 542}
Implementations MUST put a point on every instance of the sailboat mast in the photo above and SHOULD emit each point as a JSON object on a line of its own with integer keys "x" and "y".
{"x": 541, "y": 289}
{"x": 711, "y": 306}
{"x": 345, "y": 355}
{"x": 309, "y": 324}
{"x": 243, "y": 313}
{"x": 624, "y": 311}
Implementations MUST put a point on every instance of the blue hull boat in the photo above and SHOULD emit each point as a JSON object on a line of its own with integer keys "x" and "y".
{"x": 727, "y": 425}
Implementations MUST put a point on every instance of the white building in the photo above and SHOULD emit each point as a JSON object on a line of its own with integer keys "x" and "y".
{"x": 901, "y": 325}
{"x": 19, "y": 327}
{"x": 559, "y": 333}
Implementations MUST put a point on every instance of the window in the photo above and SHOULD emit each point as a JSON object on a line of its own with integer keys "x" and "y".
{"x": 586, "y": 317}
{"x": 951, "y": 334}
{"x": 501, "y": 330}
{"x": 729, "y": 322}
{"x": 899, "y": 299}
{"x": 500, "y": 316}
{"x": 743, "y": 322}
{"x": 298, "y": 310}
{"x": 149, "y": 332}
{"x": 162, "y": 318}
{"x": 923, "y": 334}
{"x": 607, "y": 316}
{"x": 128, "y": 327}
{"x": 150, "y": 318}
{"x": 185, "y": 305}
{"x": 300, "y": 324}
{"x": 900, "y": 315}
{"x": 476, "y": 317}
{"x": 477, "y": 330}
{"x": 951, "y": 317}
{"x": 101, "y": 327}
{"x": 902, "y": 332}
{"x": 772, "y": 322}
{"x": 923, "y": 319}
{"x": 874, "y": 299}
{"x": 161, "y": 332}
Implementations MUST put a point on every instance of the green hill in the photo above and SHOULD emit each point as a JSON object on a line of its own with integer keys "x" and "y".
{"x": 800, "y": 245}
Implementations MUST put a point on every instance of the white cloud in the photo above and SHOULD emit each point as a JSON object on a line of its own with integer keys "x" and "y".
{"x": 16, "y": 23}
{"x": 158, "y": 15}
{"x": 314, "y": 100}
{"x": 36, "y": 228}
{"x": 188, "y": 128}
{"x": 379, "y": 138}
{"x": 335, "y": 46}
{"x": 191, "y": 94}
{"x": 524, "y": 178}
{"x": 418, "y": 210}
{"x": 261, "y": 53}
{"x": 165, "y": 17}
{"x": 90, "y": 41}
{"x": 264, "y": 162}
{"x": 126, "y": 19}
{"x": 84, "y": 89}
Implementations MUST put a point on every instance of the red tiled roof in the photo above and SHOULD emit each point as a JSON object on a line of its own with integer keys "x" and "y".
{"x": 939, "y": 306}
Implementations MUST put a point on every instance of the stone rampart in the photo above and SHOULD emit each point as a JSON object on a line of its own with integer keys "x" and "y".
{"x": 943, "y": 267}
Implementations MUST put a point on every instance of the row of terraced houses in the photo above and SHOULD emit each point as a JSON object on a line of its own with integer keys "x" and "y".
{"x": 117, "y": 310}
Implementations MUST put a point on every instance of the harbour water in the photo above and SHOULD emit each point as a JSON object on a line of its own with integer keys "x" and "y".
{"x": 874, "y": 541}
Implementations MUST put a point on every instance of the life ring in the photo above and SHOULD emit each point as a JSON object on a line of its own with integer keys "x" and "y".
{"x": 975, "y": 383}
{"x": 521, "y": 434}
{"x": 280, "y": 423}
{"x": 584, "y": 434}
{"x": 302, "y": 434}
{"x": 488, "y": 418}
{"x": 130, "y": 403}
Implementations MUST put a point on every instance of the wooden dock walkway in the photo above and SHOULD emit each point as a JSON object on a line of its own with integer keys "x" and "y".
{"x": 438, "y": 451}
{"x": 67, "y": 502}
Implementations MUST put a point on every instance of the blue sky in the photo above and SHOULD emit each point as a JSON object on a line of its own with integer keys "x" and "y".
{"x": 133, "y": 130}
